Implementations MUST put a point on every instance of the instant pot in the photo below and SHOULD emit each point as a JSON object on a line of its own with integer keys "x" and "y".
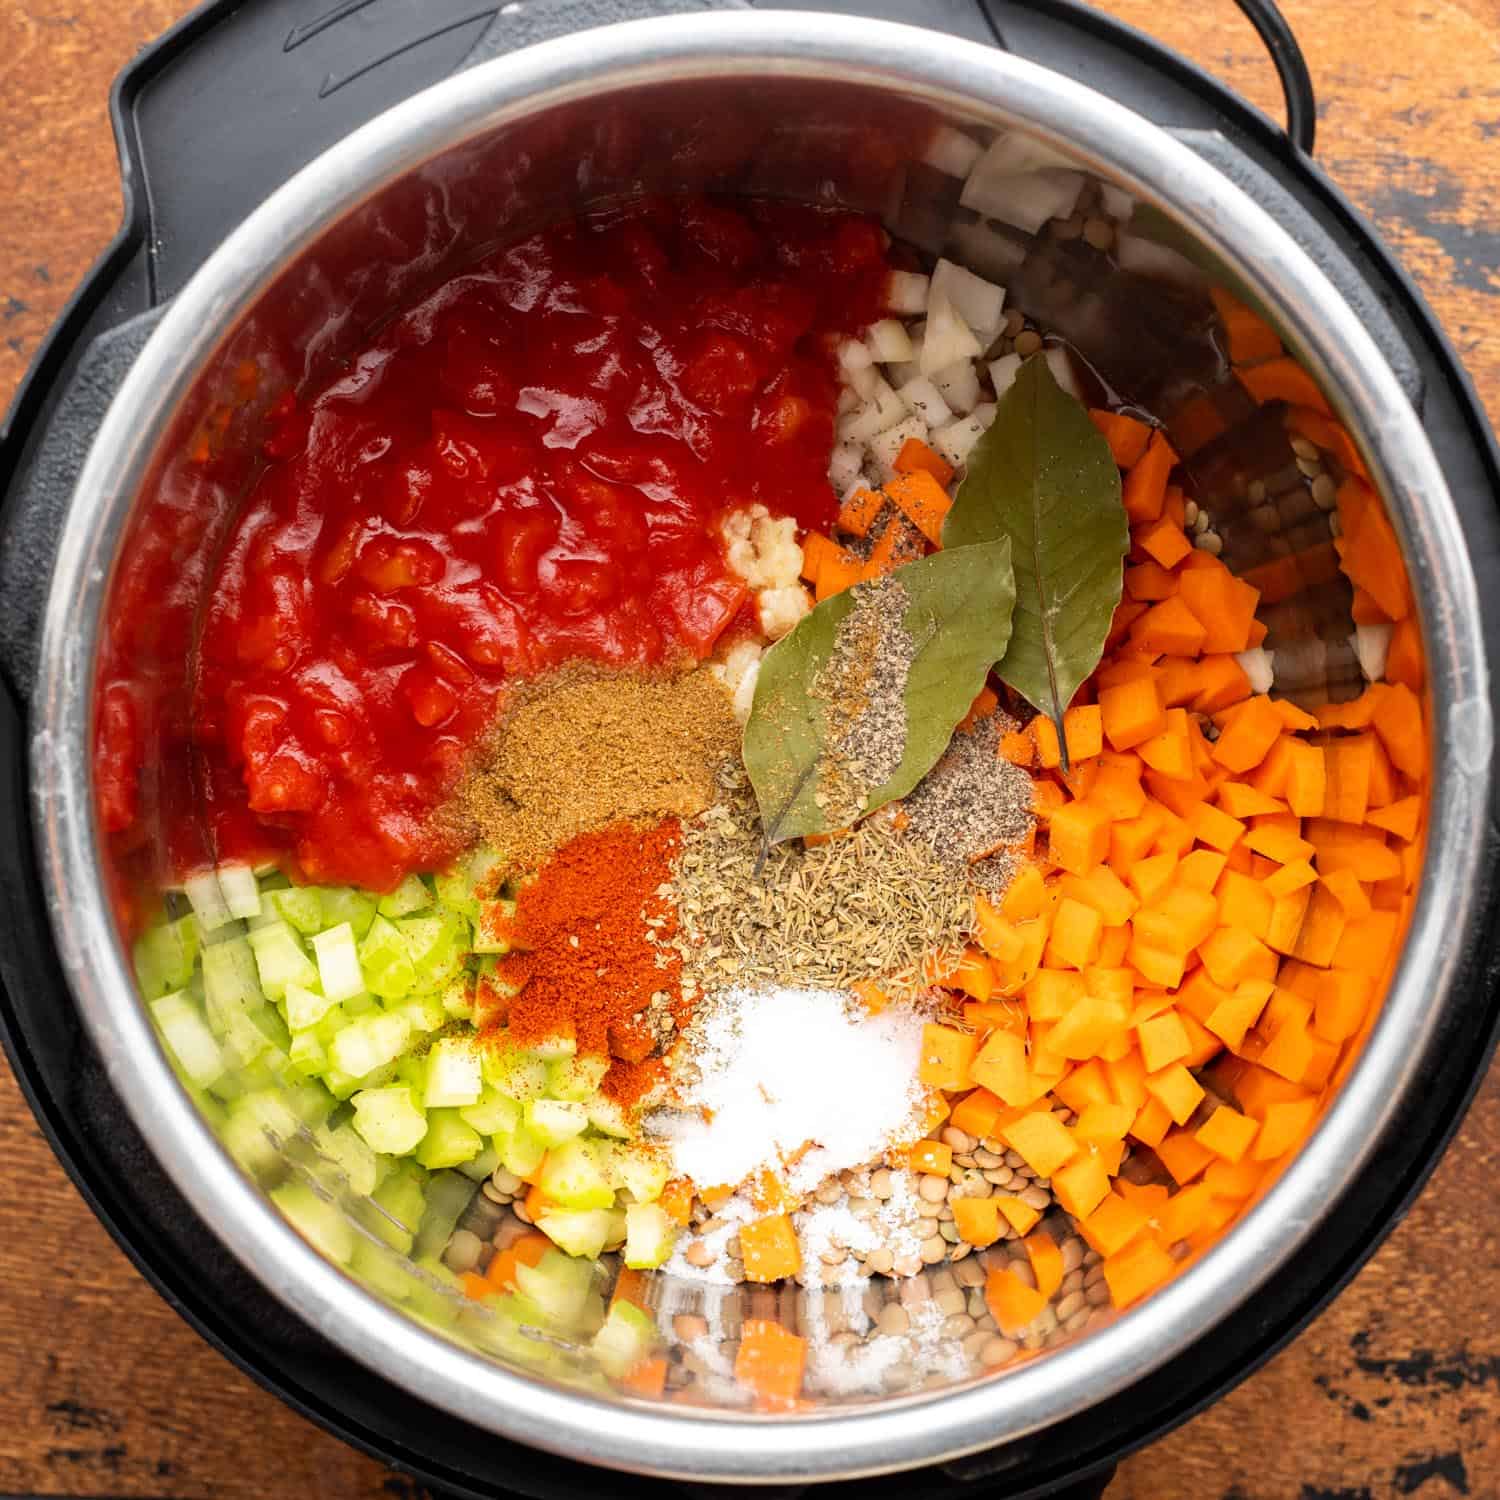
{"x": 257, "y": 101}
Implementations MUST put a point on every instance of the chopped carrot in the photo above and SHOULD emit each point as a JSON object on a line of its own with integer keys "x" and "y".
{"x": 1403, "y": 658}
{"x": 1247, "y": 734}
{"x": 1283, "y": 380}
{"x": 1012, "y": 1303}
{"x": 1145, "y": 489}
{"x": 817, "y": 551}
{"x": 1165, "y": 542}
{"x": 856, "y": 516}
{"x": 923, "y": 500}
{"x": 915, "y": 455}
{"x": 646, "y": 1377}
{"x": 933, "y": 1157}
{"x": 769, "y": 1249}
{"x": 946, "y": 1057}
{"x": 1078, "y": 837}
{"x": 1127, "y": 436}
{"x": 1227, "y": 1133}
{"x": 1046, "y": 1263}
{"x": 1250, "y": 337}
{"x": 1018, "y": 747}
{"x": 1141, "y": 1267}
{"x": 770, "y": 1360}
{"x": 977, "y": 1220}
{"x": 1223, "y": 605}
{"x": 1021, "y": 1217}
{"x": 978, "y": 1113}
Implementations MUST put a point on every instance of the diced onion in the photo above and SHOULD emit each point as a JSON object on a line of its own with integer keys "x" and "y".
{"x": 888, "y": 341}
{"x": 959, "y": 385}
{"x": 906, "y": 293}
{"x": 1371, "y": 644}
{"x": 924, "y": 400}
{"x": 843, "y": 465}
{"x": 952, "y": 151}
{"x": 948, "y": 338}
{"x": 1259, "y": 665}
{"x": 865, "y": 381}
{"x": 980, "y": 303}
{"x": 1118, "y": 204}
{"x": 1015, "y": 152}
{"x": 1003, "y": 372}
{"x": 1028, "y": 201}
{"x": 886, "y": 445}
{"x": 956, "y": 441}
{"x": 1062, "y": 370}
{"x": 992, "y": 252}
{"x": 854, "y": 354}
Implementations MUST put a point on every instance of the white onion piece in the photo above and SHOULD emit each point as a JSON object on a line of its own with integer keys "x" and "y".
{"x": 1003, "y": 372}
{"x": 886, "y": 445}
{"x": 883, "y": 409}
{"x": 924, "y": 400}
{"x": 1259, "y": 665}
{"x": 844, "y": 465}
{"x": 854, "y": 355}
{"x": 959, "y": 385}
{"x": 848, "y": 399}
{"x": 865, "y": 381}
{"x": 1027, "y": 201}
{"x": 1146, "y": 258}
{"x": 906, "y": 293}
{"x": 888, "y": 341}
{"x": 1014, "y": 153}
{"x": 956, "y": 441}
{"x": 1371, "y": 644}
{"x": 948, "y": 338}
{"x": 1062, "y": 370}
{"x": 988, "y": 250}
{"x": 1118, "y": 204}
{"x": 952, "y": 151}
{"x": 980, "y": 303}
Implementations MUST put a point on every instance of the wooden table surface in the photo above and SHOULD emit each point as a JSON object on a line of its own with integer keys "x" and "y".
{"x": 1394, "y": 1391}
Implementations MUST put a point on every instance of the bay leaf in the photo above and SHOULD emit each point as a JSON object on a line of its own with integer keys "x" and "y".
{"x": 1042, "y": 475}
{"x": 958, "y": 615}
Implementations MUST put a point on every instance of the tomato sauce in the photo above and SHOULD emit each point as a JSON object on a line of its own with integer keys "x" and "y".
{"x": 527, "y": 467}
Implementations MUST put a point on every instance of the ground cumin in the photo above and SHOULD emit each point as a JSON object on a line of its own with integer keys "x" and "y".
{"x": 584, "y": 748}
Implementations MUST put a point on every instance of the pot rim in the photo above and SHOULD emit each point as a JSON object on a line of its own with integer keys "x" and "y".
{"x": 989, "y": 87}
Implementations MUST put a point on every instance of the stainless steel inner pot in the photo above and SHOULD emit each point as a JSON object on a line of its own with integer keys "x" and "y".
{"x": 817, "y": 107}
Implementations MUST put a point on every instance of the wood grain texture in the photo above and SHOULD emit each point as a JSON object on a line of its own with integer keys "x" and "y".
{"x": 1394, "y": 1391}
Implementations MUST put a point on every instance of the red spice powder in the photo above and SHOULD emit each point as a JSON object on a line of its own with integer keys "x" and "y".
{"x": 587, "y": 960}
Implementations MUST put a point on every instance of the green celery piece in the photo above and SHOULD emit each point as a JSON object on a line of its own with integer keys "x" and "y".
{"x": 628, "y": 1336}
{"x": 521, "y": 1151}
{"x": 240, "y": 890}
{"x": 492, "y": 1114}
{"x": 304, "y": 1008}
{"x": 643, "y": 1172}
{"x": 337, "y": 956}
{"x": 448, "y": 1195}
{"x": 188, "y": 1038}
{"x": 401, "y": 1200}
{"x": 608, "y": 1117}
{"x": 554, "y": 1121}
{"x": 494, "y": 926}
{"x": 281, "y": 959}
{"x": 453, "y": 1074}
{"x": 482, "y": 1165}
{"x": 573, "y": 1175}
{"x": 386, "y": 1272}
{"x": 231, "y": 981}
{"x": 259, "y": 1124}
{"x": 386, "y": 960}
{"x": 562, "y": 1044}
{"x": 423, "y": 1013}
{"x": 342, "y": 903}
{"x": 300, "y": 905}
{"x": 348, "y": 1152}
{"x": 515, "y": 1073}
{"x": 649, "y": 1236}
{"x": 411, "y": 895}
{"x": 580, "y": 1231}
{"x": 369, "y": 1042}
{"x": 308, "y": 1054}
{"x": 458, "y": 998}
{"x": 559, "y": 1285}
{"x": 318, "y": 1221}
{"x": 437, "y": 946}
{"x": 448, "y": 1141}
{"x": 166, "y": 955}
{"x": 388, "y": 1119}
{"x": 576, "y": 1078}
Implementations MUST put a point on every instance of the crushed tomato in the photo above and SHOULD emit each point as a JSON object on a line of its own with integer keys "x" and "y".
{"x": 527, "y": 467}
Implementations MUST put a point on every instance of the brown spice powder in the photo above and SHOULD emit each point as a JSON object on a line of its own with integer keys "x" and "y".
{"x": 583, "y": 748}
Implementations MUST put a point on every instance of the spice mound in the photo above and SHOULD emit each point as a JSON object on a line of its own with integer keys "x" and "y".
{"x": 582, "y": 748}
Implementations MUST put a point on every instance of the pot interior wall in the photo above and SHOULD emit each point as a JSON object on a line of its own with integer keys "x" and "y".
{"x": 1148, "y": 332}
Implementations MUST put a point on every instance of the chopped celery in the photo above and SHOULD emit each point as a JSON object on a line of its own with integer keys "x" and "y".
{"x": 482, "y": 1166}
{"x": 259, "y": 1124}
{"x": 299, "y": 905}
{"x": 188, "y": 1037}
{"x": 207, "y": 900}
{"x": 573, "y": 1176}
{"x": 649, "y": 1236}
{"x": 386, "y": 1273}
{"x": 562, "y": 1043}
{"x": 369, "y": 1042}
{"x": 458, "y": 998}
{"x": 493, "y": 1114}
{"x": 495, "y": 926}
{"x": 448, "y": 1141}
{"x": 576, "y": 1077}
{"x": 165, "y": 956}
{"x": 437, "y": 947}
{"x": 579, "y": 1231}
{"x": 609, "y": 1118}
{"x": 308, "y": 1054}
{"x": 521, "y": 1151}
{"x": 305, "y": 1007}
{"x": 448, "y": 1195}
{"x": 230, "y": 979}
{"x": 554, "y": 1121}
{"x": 316, "y": 1219}
{"x": 238, "y": 887}
{"x": 348, "y": 1151}
{"x": 453, "y": 1074}
{"x": 400, "y": 1202}
{"x": 385, "y": 960}
{"x": 559, "y": 1286}
{"x": 643, "y": 1171}
{"x": 338, "y": 962}
{"x": 280, "y": 958}
{"x": 342, "y": 903}
{"x": 423, "y": 1013}
{"x": 411, "y": 895}
{"x": 628, "y": 1336}
{"x": 518, "y": 1074}
{"x": 388, "y": 1120}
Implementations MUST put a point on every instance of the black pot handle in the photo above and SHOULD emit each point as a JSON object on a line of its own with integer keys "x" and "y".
{"x": 1291, "y": 67}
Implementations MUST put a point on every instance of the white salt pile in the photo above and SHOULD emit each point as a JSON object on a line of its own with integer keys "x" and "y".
{"x": 801, "y": 1083}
